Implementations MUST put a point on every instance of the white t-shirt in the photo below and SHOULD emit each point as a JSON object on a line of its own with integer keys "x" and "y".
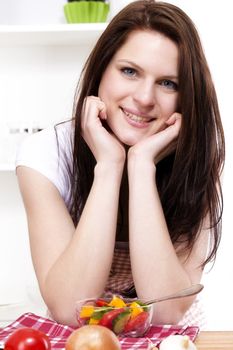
{"x": 50, "y": 152}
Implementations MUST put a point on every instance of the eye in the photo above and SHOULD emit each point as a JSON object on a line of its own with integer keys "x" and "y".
{"x": 169, "y": 84}
{"x": 130, "y": 72}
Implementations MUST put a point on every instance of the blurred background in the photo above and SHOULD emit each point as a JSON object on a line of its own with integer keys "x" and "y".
{"x": 41, "y": 57}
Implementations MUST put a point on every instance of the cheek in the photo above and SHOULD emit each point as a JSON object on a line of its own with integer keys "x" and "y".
{"x": 168, "y": 105}
{"x": 111, "y": 87}
{"x": 109, "y": 94}
{"x": 105, "y": 91}
{"x": 102, "y": 89}
{"x": 106, "y": 84}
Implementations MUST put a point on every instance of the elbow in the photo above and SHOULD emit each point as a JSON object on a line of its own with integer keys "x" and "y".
{"x": 163, "y": 320}
{"x": 170, "y": 315}
{"x": 62, "y": 316}
{"x": 60, "y": 312}
{"x": 59, "y": 306}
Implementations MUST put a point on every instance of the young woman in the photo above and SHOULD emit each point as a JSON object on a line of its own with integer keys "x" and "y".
{"x": 126, "y": 196}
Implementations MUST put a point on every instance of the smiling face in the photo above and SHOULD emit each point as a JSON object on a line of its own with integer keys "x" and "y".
{"x": 140, "y": 86}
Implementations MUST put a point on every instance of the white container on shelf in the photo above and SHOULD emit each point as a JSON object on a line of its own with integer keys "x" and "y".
{"x": 11, "y": 135}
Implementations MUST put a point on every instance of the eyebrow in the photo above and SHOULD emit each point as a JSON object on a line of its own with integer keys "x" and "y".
{"x": 168, "y": 76}
{"x": 131, "y": 63}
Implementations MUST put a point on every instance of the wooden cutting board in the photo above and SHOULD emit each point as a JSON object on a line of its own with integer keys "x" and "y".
{"x": 215, "y": 340}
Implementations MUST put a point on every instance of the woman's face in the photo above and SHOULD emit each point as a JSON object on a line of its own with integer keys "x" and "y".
{"x": 140, "y": 86}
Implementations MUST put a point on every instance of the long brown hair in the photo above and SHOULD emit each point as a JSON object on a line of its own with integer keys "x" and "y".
{"x": 189, "y": 179}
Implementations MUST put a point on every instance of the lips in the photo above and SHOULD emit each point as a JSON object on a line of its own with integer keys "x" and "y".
{"x": 136, "y": 116}
{"x": 136, "y": 119}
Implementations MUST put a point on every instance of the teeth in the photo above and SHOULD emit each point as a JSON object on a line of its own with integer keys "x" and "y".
{"x": 136, "y": 118}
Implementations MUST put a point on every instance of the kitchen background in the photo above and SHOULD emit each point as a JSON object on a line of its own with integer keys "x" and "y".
{"x": 40, "y": 60}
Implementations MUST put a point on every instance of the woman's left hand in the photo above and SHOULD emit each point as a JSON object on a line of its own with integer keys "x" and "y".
{"x": 158, "y": 146}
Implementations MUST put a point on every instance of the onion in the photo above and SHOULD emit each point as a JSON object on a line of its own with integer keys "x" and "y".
{"x": 92, "y": 337}
{"x": 177, "y": 342}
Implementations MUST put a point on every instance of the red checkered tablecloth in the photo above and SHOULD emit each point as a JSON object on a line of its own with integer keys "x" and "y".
{"x": 59, "y": 333}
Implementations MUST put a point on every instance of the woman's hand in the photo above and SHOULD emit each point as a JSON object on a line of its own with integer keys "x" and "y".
{"x": 104, "y": 145}
{"x": 158, "y": 146}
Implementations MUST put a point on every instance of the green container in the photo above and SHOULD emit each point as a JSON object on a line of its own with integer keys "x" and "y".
{"x": 86, "y": 11}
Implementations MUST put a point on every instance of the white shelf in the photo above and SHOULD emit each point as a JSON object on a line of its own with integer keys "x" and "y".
{"x": 7, "y": 167}
{"x": 45, "y": 35}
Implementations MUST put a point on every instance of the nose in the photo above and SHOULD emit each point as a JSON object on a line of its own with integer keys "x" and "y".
{"x": 144, "y": 94}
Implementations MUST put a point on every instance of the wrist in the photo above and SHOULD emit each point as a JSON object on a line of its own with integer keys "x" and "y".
{"x": 141, "y": 168}
{"x": 109, "y": 170}
{"x": 136, "y": 160}
{"x": 115, "y": 160}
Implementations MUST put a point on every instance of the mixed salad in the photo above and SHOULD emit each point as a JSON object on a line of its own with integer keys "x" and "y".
{"x": 122, "y": 317}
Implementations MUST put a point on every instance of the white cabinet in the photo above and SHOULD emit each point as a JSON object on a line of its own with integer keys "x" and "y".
{"x": 39, "y": 71}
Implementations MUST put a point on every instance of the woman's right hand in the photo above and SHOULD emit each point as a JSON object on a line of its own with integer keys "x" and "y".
{"x": 104, "y": 145}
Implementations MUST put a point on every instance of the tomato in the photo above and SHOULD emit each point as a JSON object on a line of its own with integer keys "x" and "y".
{"x": 136, "y": 322}
{"x": 109, "y": 316}
{"x": 27, "y": 339}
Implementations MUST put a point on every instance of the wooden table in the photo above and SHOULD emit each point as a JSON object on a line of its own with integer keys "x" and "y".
{"x": 215, "y": 340}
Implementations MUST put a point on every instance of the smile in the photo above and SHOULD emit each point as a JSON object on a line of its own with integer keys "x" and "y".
{"x": 137, "y": 118}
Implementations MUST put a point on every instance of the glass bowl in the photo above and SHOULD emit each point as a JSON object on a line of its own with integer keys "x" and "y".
{"x": 125, "y": 317}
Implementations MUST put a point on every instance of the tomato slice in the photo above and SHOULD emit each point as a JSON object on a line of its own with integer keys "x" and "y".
{"x": 101, "y": 302}
{"x": 27, "y": 339}
{"x": 108, "y": 317}
{"x": 136, "y": 322}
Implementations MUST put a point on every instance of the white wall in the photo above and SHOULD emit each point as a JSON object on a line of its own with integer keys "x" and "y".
{"x": 32, "y": 11}
{"x": 18, "y": 287}
{"x": 39, "y": 94}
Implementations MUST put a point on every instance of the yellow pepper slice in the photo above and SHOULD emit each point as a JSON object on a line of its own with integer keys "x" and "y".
{"x": 136, "y": 309}
{"x": 117, "y": 302}
{"x": 86, "y": 311}
{"x": 93, "y": 321}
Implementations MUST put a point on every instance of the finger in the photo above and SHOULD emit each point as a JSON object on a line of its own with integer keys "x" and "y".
{"x": 96, "y": 102}
{"x": 173, "y": 118}
{"x": 93, "y": 110}
{"x": 169, "y": 135}
{"x": 103, "y": 112}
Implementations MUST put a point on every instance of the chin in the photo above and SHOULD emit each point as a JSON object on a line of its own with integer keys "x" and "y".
{"x": 130, "y": 140}
{"x": 127, "y": 138}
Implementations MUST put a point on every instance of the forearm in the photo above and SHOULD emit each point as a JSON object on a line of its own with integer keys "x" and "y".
{"x": 83, "y": 268}
{"x": 156, "y": 268}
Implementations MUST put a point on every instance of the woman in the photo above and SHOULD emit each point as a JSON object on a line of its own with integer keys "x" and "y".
{"x": 126, "y": 197}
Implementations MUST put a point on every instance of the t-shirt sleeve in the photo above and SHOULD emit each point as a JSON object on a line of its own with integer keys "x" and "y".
{"x": 49, "y": 153}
